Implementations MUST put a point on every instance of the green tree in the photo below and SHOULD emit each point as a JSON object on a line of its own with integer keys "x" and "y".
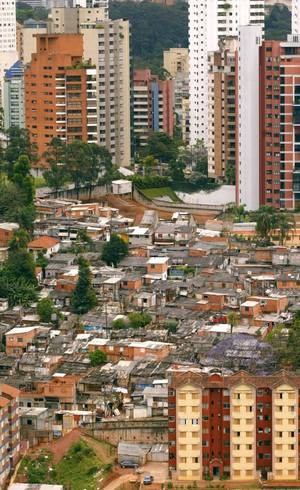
{"x": 119, "y": 324}
{"x": 278, "y": 23}
{"x": 22, "y": 178}
{"x": 56, "y": 175}
{"x": 161, "y": 147}
{"x": 285, "y": 222}
{"x": 114, "y": 251}
{"x": 265, "y": 222}
{"x": 148, "y": 163}
{"x": 176, "y": 171}
{"x": 77, "y": 158}
{"x": 17, "y": 290}
{"x": 195, "y": 157}
{"x": 149, "y": 37}
{"x": 139, "y": 320}
{"x": 41, "y": 260}
{"x": 19, "y": 240}
{"x": 98, "y": 164}
{"x": 230, "y": 174}
{"x": 171, "y": 326}
{"x": 97, "y": 357}
{"x": 232, "y": 319}
{"x": 18, "y": 145}
{"x": 84, "y": 297}
{"x": 20, "y": 264}
{"x": 46, "y": 310}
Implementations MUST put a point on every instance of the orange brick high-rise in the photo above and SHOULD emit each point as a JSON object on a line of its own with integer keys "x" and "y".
{"x": 55, "y": 90}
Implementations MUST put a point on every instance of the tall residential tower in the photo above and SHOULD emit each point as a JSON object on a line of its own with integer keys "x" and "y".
{"x": 210, "y": 21}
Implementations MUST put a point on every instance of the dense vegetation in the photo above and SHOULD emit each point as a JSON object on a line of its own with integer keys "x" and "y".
{"x": 25, "y": 11}
{"x": 154, "y": 28}
{"x": 278, "y": 22}
{"x": 79, "y": 468}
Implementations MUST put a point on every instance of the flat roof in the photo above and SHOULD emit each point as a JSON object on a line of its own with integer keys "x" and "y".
{"x": 157, "y": 260}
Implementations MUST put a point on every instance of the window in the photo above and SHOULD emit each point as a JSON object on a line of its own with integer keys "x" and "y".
{"x": 195, "y": 421}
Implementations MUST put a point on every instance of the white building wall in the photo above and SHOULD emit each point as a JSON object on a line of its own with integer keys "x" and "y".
{"x": 8, "y": 50}
{"x": 250, "y": 39}
{"x": 209, "y": 20}
{"x": 296, "y": 16}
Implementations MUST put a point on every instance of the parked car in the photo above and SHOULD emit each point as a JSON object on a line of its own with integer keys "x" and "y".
{"x": 148, "y": 479}
{"x": 127, "y": 463}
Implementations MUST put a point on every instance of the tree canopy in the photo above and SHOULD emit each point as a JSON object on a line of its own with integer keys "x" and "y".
{"x": 278, "y": 22}
{"x": 114, "y": 251}
{"x": 84, "y": 297}
{"x": 148, "y": 36}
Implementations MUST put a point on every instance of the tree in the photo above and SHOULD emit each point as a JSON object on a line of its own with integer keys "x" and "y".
{"x": 41, "y": 260}
{"x": 278, "y": 23}
{"x": 98, "y": 163}
{"x": 12, "y": 205}
{"x": 285, "y": 222}
{"x": 114, "y": 251}
{"x": 232, "y": 320}
{"x": 119, "y": 324}
{"x": 84, "y": 297}
{"x": 22, "y": 178}
{"x": 230, "y": 174}
{"x": 139, "y": 320}
{"x": 56, "y": 175}
{"x": 149, "y": 37}
{"x": 97, "y": 357}
{"x": 17, "y": 290}
{"x": 195, "y": 157}
{"x": 19, "y": 240}
{"x": 20, "y": 264}
{"x": 162, "y": 147}
{"x": 265, "y": 221}
{"x": 77, "y": 158}
{"x": 46, "y": 310}
{"x": 18, "y": 144}
{"x": 148, "y": 163}
{"x": 176, "y": 171}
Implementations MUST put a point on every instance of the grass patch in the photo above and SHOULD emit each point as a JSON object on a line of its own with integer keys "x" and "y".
{"x": 80, "y": 468}
{"x": 158, "y": 192}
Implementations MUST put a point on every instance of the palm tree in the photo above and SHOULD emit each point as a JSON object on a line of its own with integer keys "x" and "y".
{"x": 266, "y": 221}
{"x": 285, "y": 223}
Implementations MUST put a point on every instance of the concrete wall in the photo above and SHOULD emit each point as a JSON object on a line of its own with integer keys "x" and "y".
{"x": 145, "y": 430}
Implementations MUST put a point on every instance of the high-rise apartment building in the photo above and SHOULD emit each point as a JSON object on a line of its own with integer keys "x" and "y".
{"x": 106, "y": 44}
{"x": 69, "y": 20}
{"x": 241, "y": 426}
{"x": 8, "y": 49}
{"x": 13, "y": 104}
{"x": 280, "y": 123}
{"x": 10, "y": 431}
{"x": 57, "y": 87}
{"x": 295, "y": 16}
{"x": 176, "y": 62}
{"x": 152, "y": 106}
{"x": 221, "y": 108}
{"x": 209, "y": 21}
{"x": 27, "y": 35}
{"x": 247, "y": 114}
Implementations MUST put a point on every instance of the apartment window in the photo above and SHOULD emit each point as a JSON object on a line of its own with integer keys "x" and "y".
{"x": 195, "y": 421}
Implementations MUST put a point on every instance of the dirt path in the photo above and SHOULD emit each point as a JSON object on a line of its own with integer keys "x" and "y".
{"x": 62, "y": 445}
{"x": 115, "y": 484}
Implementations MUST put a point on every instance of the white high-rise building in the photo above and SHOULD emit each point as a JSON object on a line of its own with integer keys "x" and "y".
{"x": 209, "y": 21}
{"x": 8, "y": 50}
{"x": 247, "y": 185}
{"x": 295, "y": 16}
